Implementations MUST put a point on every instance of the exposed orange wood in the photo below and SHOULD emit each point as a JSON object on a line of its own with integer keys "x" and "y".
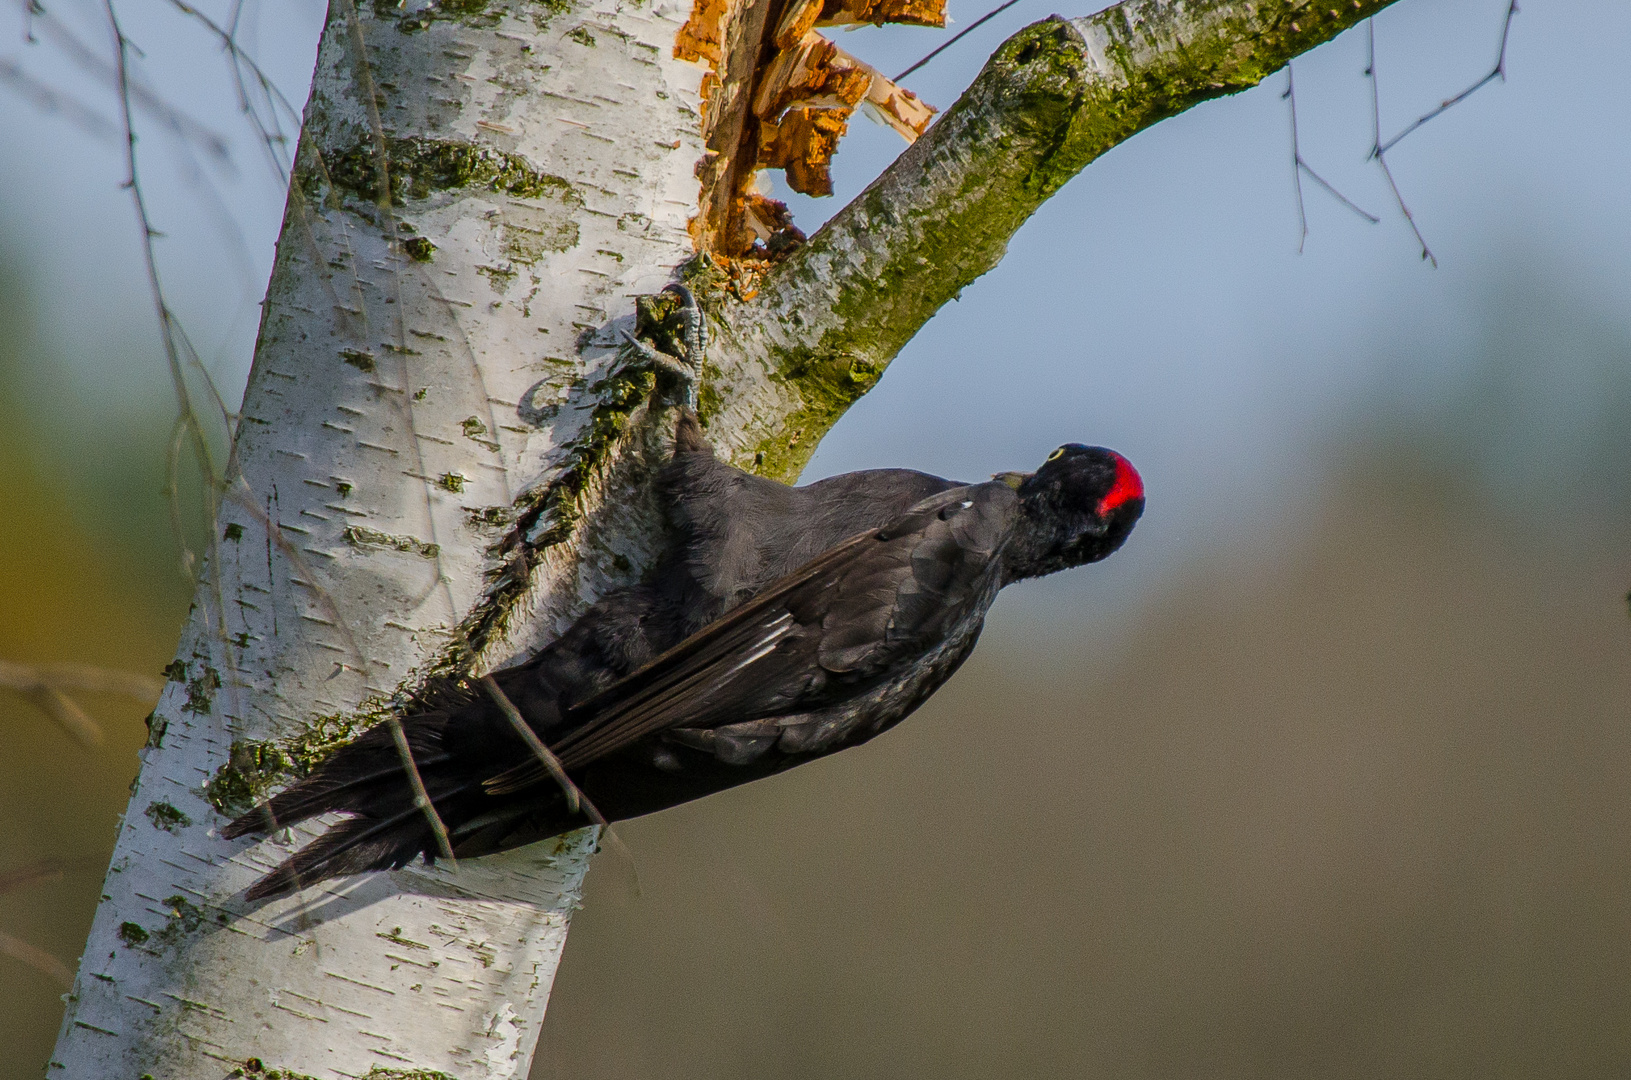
{"x": 814, "y": 72}
{"x": 802, "y": 143}
{"x": 878, "y": 12}
{"x": 703, "y": 33}
{"x": 779, "y": 95}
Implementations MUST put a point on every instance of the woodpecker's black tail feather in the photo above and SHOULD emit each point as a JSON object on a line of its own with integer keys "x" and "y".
{"x": 319, "y": 795}
{"x": 365, "y": 779}
{"x": 352, "y": 846}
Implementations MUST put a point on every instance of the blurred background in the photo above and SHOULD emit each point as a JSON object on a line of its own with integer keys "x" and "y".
{"x": 1326, "y": 774}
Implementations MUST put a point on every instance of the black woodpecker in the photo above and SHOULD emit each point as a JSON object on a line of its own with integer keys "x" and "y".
{"x": 780, "y": 624}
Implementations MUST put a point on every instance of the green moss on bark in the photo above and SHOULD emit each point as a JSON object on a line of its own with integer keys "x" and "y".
{"x": 166, "y": 817}
{"x": 259, "y": 1070}
{"x": 201, "y": 690}
{"x": 254, "y": 767}
{"x": 828, "y": 381}
{"x": 420, "y": 167}
{"x": 361, "y": 536}
{"x": 481, "y": 14}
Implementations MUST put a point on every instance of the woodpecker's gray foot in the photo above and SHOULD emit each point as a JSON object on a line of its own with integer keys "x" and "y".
{"x": 695, "y": 328}
{"x": 686, "y": 369}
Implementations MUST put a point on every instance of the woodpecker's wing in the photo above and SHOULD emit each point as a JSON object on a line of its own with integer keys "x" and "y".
{"x": 855, "y": 613}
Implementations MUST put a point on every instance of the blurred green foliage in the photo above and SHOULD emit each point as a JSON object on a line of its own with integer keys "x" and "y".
{"x": 88, "y": 574}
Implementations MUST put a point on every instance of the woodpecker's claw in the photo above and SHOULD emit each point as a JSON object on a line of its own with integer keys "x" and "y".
{"x": 687, "y": 369}
{"x": 696, "y": 328}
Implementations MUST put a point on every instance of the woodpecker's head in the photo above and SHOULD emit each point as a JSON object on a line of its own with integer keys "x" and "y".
{"x": 1078, "y": 508}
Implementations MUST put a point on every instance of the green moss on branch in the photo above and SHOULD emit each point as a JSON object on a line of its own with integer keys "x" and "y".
{"x": 1053, "y": 98}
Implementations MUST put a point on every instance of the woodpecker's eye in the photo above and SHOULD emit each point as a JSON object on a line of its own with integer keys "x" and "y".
{"x": 1057, "y": 454}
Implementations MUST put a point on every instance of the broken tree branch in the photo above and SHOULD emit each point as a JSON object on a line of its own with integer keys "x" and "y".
{"x": 1053, "y": 97}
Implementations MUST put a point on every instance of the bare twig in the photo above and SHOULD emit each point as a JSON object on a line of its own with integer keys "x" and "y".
{"x": 68, "y": 715}
{"x": 175, "y": 344}
{"x": 33, "y": 873}
{"x": 181, "y": 357}
{"x": 172, "y": 493}
{"x": 574, "y": 797}
{"x": 130, "y": 88}
{"x": 188, "y": 133}
{"x": 1496, "y": 72}
{"x": 1377, "y": 150}
{"x": 49, "y": 100}
{"x": 38, "y": 959}
{"x": 272, "y": 135}
{"x": 144, "y": 688}
{"x": 969, "y": 29}
{"x": 1299, "y": 166}
{"x": 44, "y": 686}
{"x": 421, "y": 798}
{"x": 306, "y": 154}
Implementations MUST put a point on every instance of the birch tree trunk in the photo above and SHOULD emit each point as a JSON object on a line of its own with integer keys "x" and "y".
{"x": 439, "y": 462}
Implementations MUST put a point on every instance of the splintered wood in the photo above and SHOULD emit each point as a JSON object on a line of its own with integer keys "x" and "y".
{"x": 768, "y": 218}
{"x": 802, "y": 15}
{"x": 805, "y": 97}
{"x": 700, "y": 37}
{"x": 813, "y": 71}
{"x": 804, "y": 89}
{"x": 803, "y": 144}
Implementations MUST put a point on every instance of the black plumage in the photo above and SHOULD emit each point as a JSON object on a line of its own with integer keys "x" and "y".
{"x": 782, "y": 624}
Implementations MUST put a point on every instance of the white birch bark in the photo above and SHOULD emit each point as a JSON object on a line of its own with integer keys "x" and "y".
{"x": 405, "y": 416}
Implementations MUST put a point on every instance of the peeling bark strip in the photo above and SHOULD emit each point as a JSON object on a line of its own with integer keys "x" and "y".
{"x": 442, "y": 463}
{"x": 780, "y": 97}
